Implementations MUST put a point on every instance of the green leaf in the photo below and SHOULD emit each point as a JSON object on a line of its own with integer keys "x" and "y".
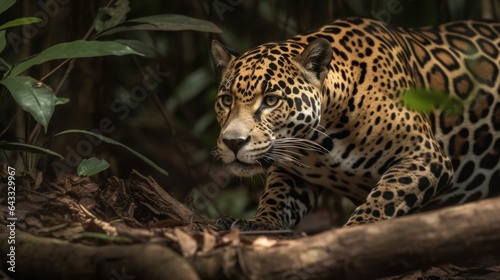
{"x": 170, "y": 22}
{"x": 3, "y": 42}
{"x": 75, "y": 49}
{"x": 5, "y": 4}
{"x": 20, "y": 21}
{"x": 165, "y": 22}
{"x": 146, "y": 49}
{"x": 91, "y": 166}
{"x": 109, "y": 17}
{"x": 4, "y": 66}
{"x": 61, "y": 100}
{"x": 425, "y": 101}
{"x": 34, "y": 97}
{"x": 15, "y": 146}
{"x": 114, "y": 142}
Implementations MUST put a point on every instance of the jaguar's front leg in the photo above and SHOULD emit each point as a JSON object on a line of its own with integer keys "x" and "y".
{"x": 286, "y": 199}
{"x": 404, "y": 188}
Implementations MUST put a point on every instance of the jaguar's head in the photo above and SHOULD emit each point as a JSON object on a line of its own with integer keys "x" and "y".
{"x": 268, "y": 101}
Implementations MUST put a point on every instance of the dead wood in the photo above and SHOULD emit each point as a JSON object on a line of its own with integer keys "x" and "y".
{"x": 49, "y": 258}
{"x": 146, "y": 190}
{"x": 368, "y": 251}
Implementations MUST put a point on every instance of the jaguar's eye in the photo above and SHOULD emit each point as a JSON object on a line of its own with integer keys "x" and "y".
{"x": 271, "y": 100}
{"x": 227, "y": 100}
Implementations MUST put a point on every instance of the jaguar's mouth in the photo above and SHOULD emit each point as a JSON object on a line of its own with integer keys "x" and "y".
{"x": 244, "y": 169}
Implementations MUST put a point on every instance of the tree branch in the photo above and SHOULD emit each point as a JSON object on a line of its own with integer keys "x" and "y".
{"x": 368, "y": 251}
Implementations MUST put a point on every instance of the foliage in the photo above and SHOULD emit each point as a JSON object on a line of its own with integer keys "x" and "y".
{"x": 33, "y": 96}
{"x": 114, "y": 142}
{"x": 426, "y": 101}
{"x": 166, "y": 22}
{"x": 39, "y": 100}
{"x": 76, "y": 49}
{"x": 17, "y": 146}
{"x": 19, "y": 21}
{"x": 91, "y": 166}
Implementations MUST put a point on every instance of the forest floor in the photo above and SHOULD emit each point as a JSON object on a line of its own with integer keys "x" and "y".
{"x": 137, "y": 211}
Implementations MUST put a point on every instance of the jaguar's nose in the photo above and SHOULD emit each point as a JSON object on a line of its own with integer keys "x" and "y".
{"x": 236, "y": 144}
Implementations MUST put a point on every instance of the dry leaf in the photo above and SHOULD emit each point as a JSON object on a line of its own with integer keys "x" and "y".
{"x": 171, "y": 236}
{"x": 264, "y": 242}
{"x": 232, "y": 237}
{"x": 186, "y": 242}
{"x": 209, "y": 241}
{"x": 91, "y": 187}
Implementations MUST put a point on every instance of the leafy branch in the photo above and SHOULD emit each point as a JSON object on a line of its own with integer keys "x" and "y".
{"x": 40, "y": 100}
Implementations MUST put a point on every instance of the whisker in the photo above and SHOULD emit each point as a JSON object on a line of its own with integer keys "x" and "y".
{"x": 300, "y": 144}
{"x": 283, "y": 157}
{"x": 262, "y": 179}
{"x": 320, "y": 132}
{"x": 281, "y": 160}
{"x": 288, "y": 158}
{"x": 287, "y": 151}
{"x": 215, "y": 153}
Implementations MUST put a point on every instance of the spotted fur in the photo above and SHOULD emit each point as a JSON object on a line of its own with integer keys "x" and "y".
{"x": 323, "y": 110}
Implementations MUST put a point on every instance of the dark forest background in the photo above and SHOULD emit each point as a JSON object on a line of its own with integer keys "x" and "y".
{"x": 174, "y": 125}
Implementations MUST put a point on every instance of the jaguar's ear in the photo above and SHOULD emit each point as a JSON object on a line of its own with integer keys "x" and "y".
{"x": 222, "y": 55}
{"x": 316, "y": 58}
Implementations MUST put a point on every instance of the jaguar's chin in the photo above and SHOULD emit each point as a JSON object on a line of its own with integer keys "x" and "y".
{"x": 243, "y": 169}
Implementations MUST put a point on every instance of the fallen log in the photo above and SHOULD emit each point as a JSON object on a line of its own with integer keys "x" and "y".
{"x": 361, "y": 252}
{"x": 50, "y": 258}
{"x": 368, "y": 251}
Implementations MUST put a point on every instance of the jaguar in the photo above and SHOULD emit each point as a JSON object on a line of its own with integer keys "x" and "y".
{"x": 324, "y": 110}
